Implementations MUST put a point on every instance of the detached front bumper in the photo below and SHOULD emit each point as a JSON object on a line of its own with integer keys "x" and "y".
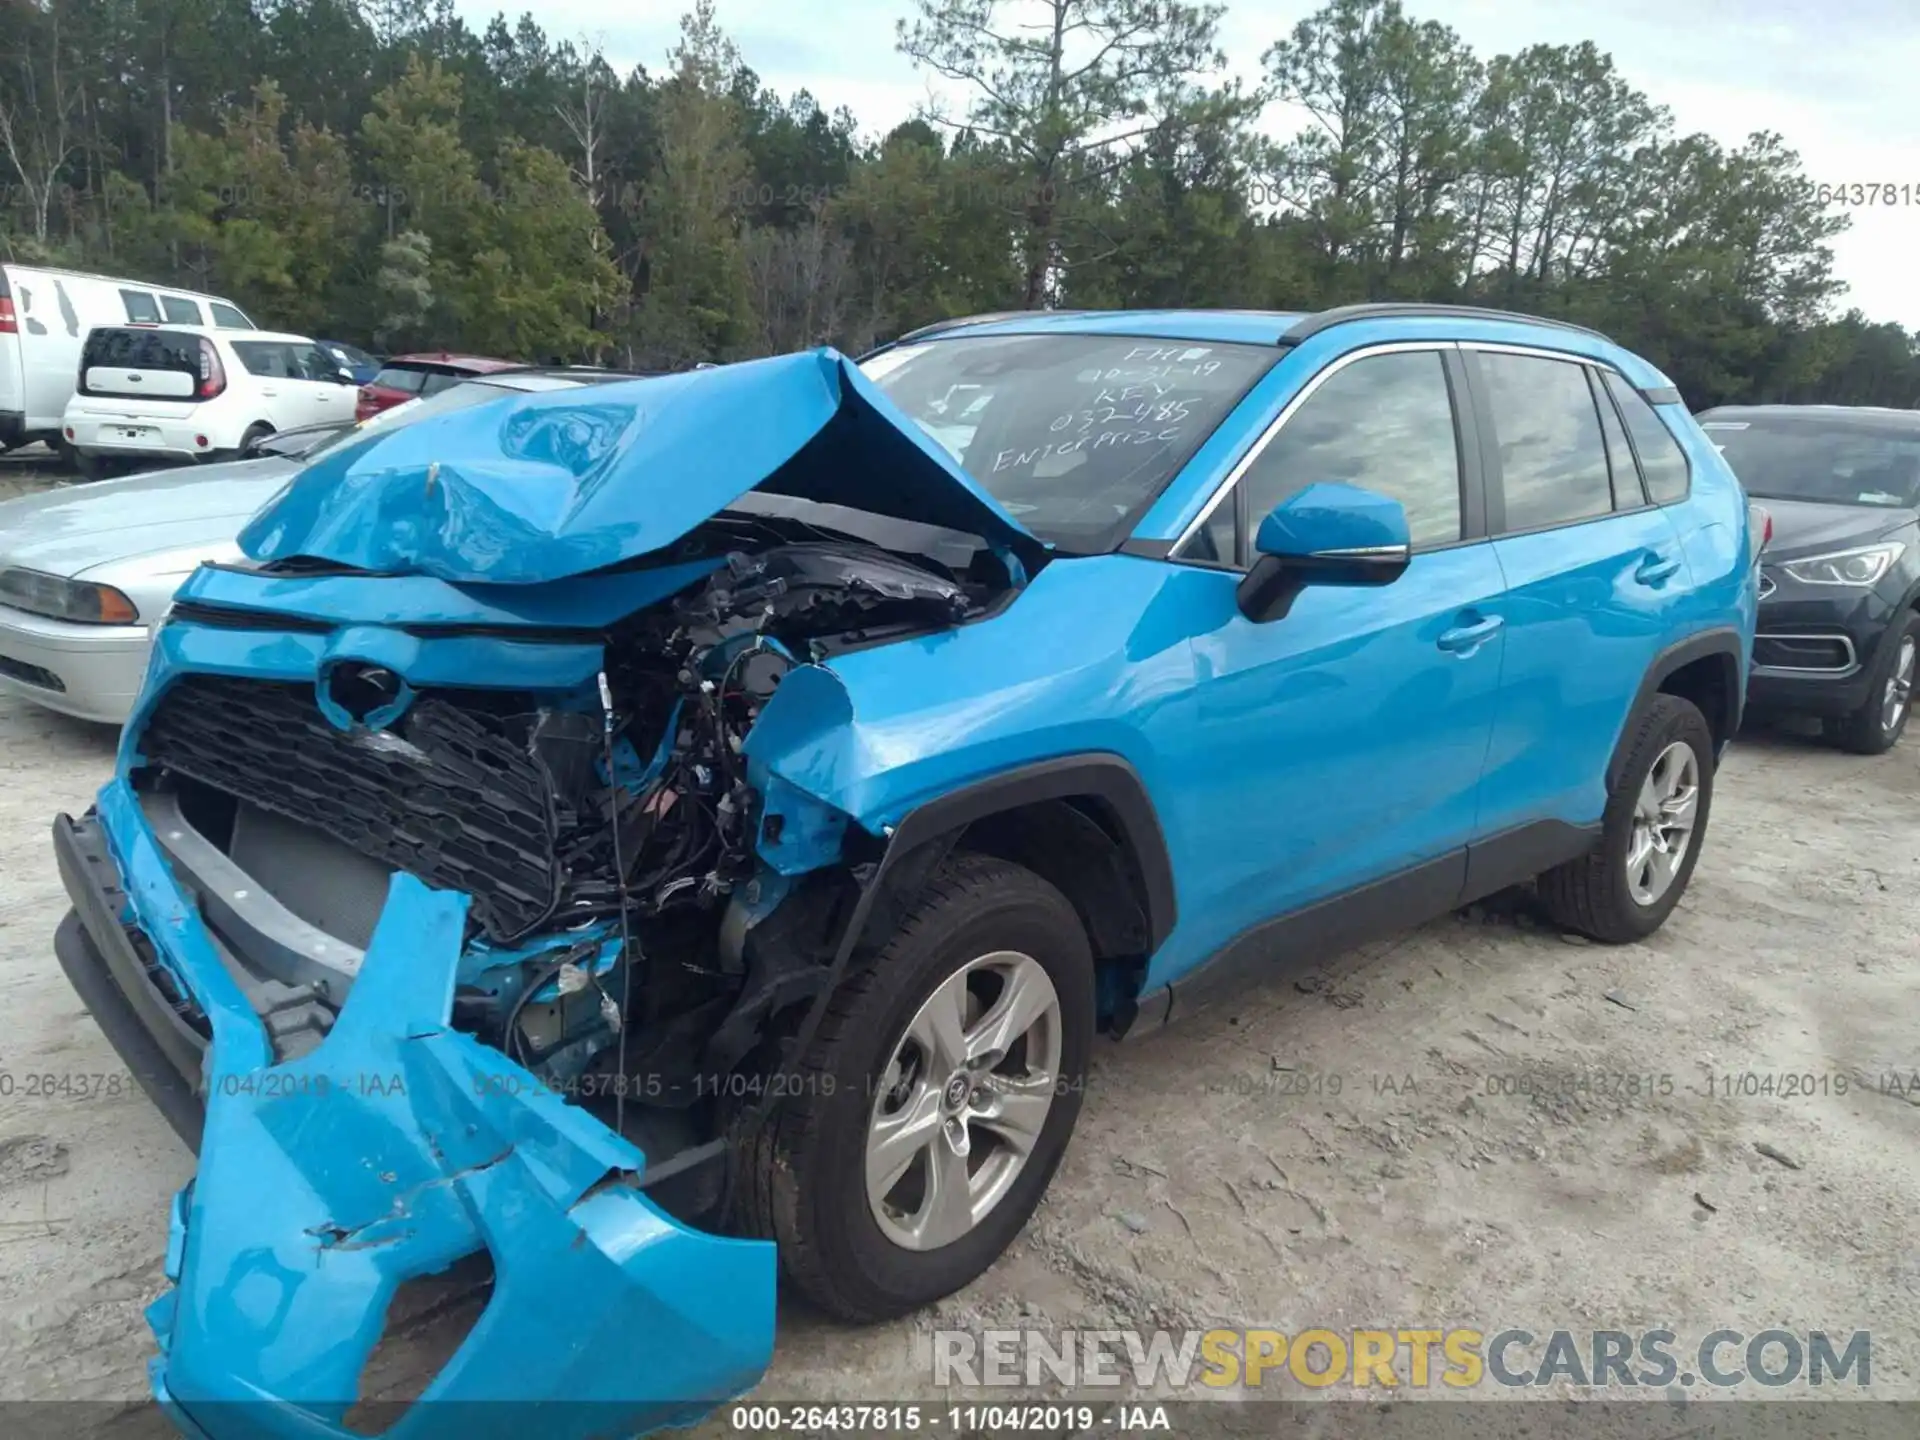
{"x": 396, "y": 1150}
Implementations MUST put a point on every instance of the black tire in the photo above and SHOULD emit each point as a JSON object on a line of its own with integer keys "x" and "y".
{"x": 1592, "y": 895}
{"x": 803, "y": 1181}
{"x": 89, "y": 467}
{"x": 259, "y": 430}
{"x": 1865, "y": 731}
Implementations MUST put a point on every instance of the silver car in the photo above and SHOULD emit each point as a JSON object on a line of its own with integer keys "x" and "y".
{"x": 88, "y": 572}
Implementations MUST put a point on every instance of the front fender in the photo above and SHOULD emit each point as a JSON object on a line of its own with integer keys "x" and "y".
{"x": 808, "y": 751}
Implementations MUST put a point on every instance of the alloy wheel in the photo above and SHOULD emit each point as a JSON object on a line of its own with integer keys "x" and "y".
{"x": 962, "y": 1100}
{"x": 1663, "y": 821}
{"x": 1899, "y": 693}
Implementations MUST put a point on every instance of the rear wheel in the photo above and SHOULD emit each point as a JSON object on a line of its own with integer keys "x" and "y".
{"x": 258, "y": 431}
{"x": 88, "y": 467}
{"x": 938, "y": 1097}
{"x": 1877, "y": 725}
{"x": 1651, "y": 832}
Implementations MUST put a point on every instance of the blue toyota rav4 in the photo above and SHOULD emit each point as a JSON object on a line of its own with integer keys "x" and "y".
{"x": 617, "y": 843}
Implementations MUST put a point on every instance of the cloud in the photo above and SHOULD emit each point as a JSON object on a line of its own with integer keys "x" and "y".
{"x": 1836, "y": 80}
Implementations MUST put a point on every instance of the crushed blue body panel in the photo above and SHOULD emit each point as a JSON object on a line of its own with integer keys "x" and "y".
{"x": 553, "y": 484}
{"x": 395, "y": 1149}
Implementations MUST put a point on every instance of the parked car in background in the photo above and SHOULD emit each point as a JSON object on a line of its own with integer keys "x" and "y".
{"x": 735, "y": 814}
{"x": 1840, "y": 582}
{"x": 414, "y": 377}
{"x": 45, "y": 317}
{"x": 87, "y": 572}
{"x": 182, "y": 393}
{"x": 352, "y": 359}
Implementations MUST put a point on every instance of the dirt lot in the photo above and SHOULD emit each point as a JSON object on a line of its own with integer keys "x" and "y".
{"x": 1439, "y": 1130}
{"x": 32, "y": 468}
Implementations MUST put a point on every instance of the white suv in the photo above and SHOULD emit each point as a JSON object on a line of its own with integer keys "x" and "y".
{"x": 185, "y": 392}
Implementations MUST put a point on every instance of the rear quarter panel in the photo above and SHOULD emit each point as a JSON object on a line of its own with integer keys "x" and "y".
{"x": 1714, "y": 536}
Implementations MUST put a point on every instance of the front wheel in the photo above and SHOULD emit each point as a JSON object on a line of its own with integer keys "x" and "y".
{"x": 937, "y": 1097}
{"x": 1651, "y": 832}
{"x": 1877, "y": 725}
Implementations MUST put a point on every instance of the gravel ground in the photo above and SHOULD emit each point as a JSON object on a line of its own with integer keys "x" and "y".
{"x": 1217, "y": 1178}
{"x": 30, "y": 469}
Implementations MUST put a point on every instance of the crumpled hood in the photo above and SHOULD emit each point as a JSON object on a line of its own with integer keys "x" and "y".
{"x": 557, "y": 483}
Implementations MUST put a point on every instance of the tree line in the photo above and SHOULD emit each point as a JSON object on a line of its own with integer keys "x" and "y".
{"x": 379, "y": 171}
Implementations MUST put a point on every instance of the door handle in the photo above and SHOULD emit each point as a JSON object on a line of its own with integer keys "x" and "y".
{"x": 1656, "y": 568}
{"x": 265, "y": 391}
{"x": 1465, "y": 639}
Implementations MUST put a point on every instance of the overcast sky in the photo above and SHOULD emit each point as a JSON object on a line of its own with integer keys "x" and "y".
{"x": 1840, "y": 79}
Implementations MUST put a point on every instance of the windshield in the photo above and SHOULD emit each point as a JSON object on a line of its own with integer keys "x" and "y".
{"x": 1074, "y": 434}
{"x": 1838, "y": 462}
{"x": 454, "y": 397}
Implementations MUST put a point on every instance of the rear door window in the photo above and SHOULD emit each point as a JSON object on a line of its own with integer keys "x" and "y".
{"x": 228, "y": 318}
{"x": 180, "y": 311}
{"x": 1628, "y": 492}
{"x": 1661, "y": 459}
{"x": 311, "y": 362}
{"x": 1546, "y": 428}
{"x": 147, "y": 364}
{"x": 272, "y": 358}
{"x": 141, "y": 307}
{"x": 405, "y": 378}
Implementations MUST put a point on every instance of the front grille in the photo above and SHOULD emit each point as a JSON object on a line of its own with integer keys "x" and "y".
{"x": 1811, "y": 653}
{"x": 31, "y": 674}
{"x": 452, "y": 794}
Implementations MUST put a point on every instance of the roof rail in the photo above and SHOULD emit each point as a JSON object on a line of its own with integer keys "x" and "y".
{"x": 940, "y": 327}
{"x": 1390, "y": 310}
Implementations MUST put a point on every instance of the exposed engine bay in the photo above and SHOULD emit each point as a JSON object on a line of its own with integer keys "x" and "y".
{"x": 628, "y": 944}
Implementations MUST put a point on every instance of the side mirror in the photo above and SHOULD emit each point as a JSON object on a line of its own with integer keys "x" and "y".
{"x": 345, "y": 376}
{"x": 1325, "y": 534}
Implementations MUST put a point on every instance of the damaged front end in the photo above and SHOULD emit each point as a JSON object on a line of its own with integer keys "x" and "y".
{"x": 460, "y": 925}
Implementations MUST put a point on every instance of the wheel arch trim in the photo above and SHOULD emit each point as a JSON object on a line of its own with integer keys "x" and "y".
{"x": 1099, "y": 775}
{"x": 1724, "y": 642}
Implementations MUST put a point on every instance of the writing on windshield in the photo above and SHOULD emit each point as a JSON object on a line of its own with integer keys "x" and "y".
{"x": 1073, "y": 434}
